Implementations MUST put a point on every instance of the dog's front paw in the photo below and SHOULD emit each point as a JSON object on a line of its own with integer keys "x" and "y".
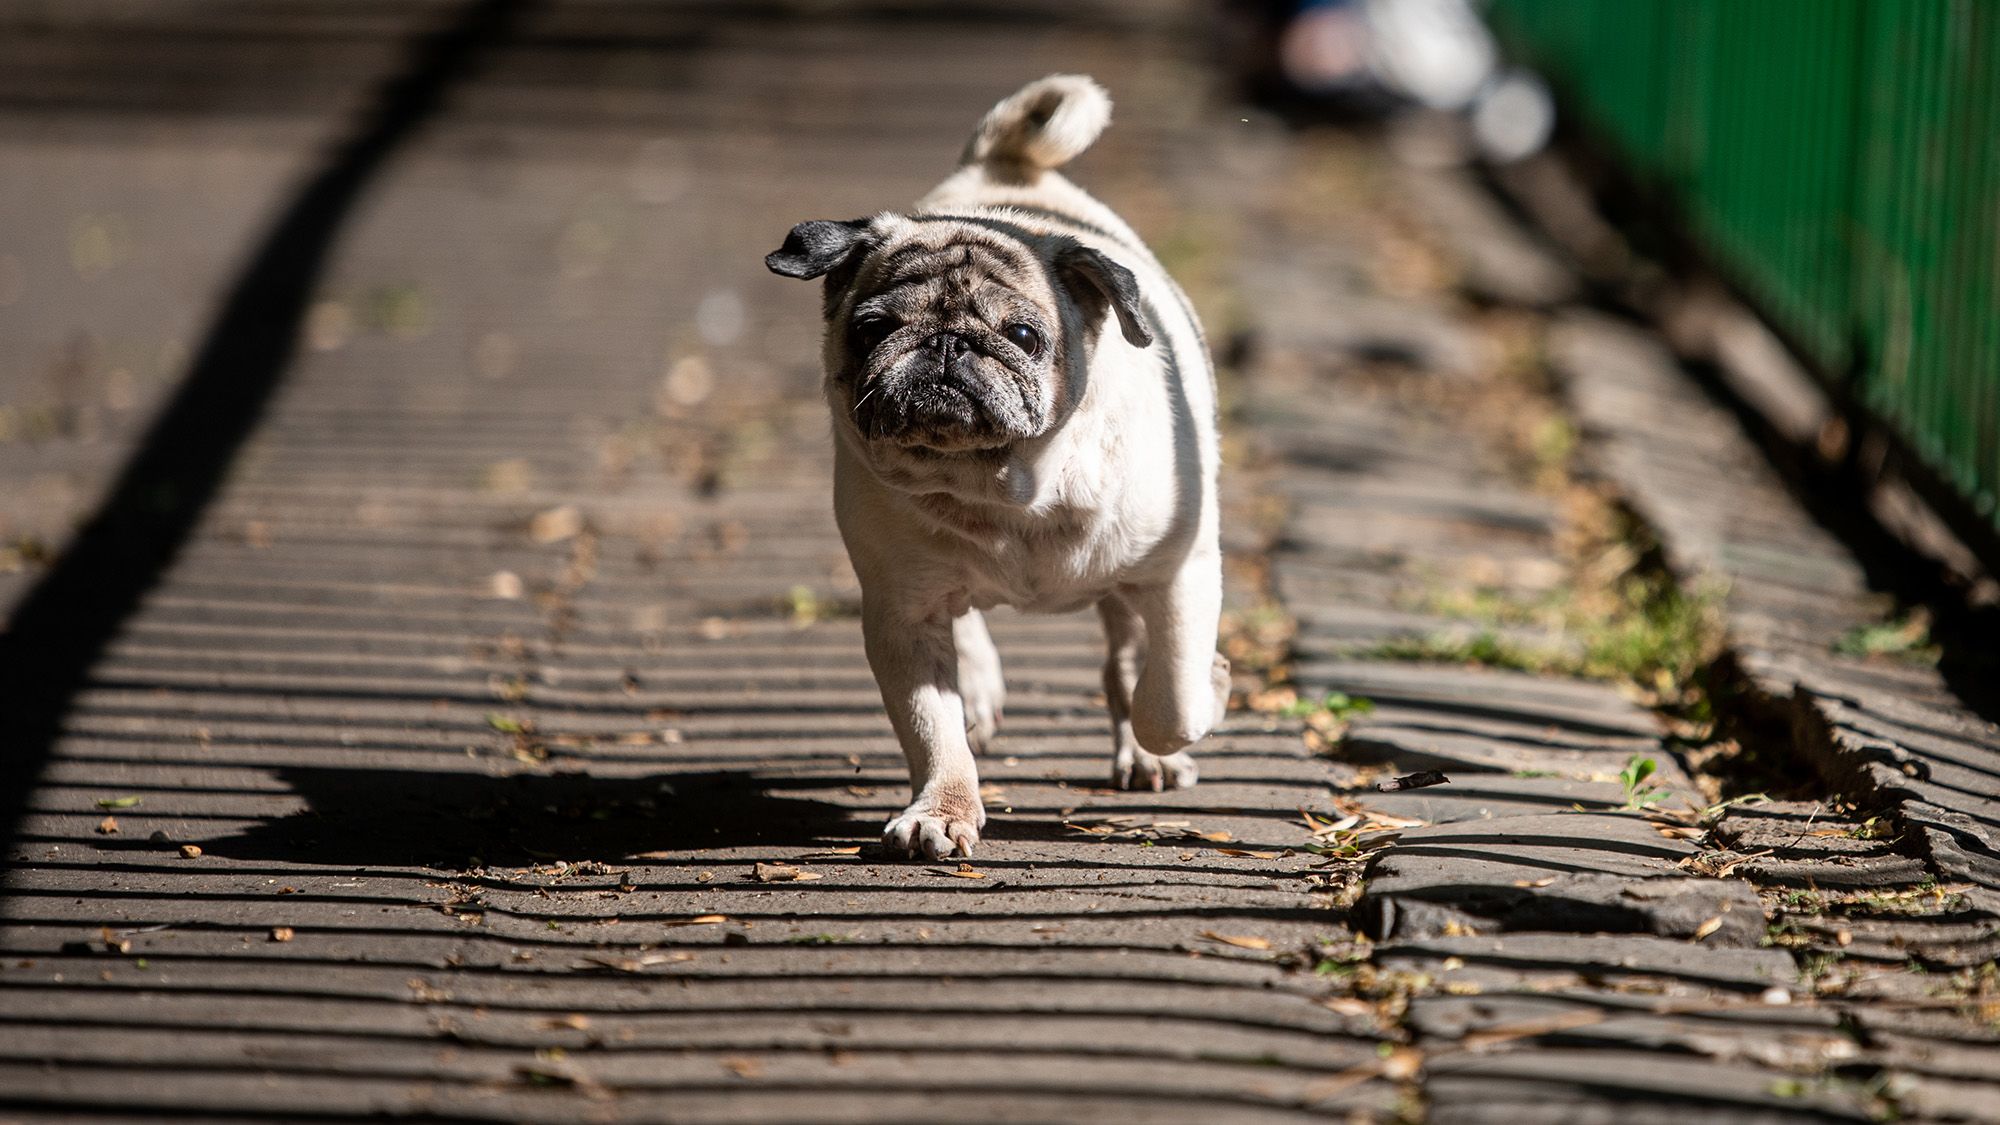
{"x": 1134, "y": 768}
{"x": 936, "y": 825}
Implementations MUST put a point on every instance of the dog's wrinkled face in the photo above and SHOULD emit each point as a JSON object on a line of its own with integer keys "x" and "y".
{"x": 955, "y": 336}
{"x": 952, "y": 345}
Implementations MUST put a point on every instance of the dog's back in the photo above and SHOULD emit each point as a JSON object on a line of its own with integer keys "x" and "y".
{"x": 1013, "y": 157}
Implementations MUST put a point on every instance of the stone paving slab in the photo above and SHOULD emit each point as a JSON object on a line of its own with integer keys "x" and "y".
{"x": 1549, "y": 945}
{"x": 1896, "y": 880}
{"x": 1908, "y": 743}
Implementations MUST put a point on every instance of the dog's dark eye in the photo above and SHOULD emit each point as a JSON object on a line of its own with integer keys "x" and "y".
{"x": 872, "y": 330}
{"x": 1024, "y": 338}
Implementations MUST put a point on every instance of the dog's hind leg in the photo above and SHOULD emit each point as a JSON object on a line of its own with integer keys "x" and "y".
{"x": 980, "y": 683}
{"x": 1125, "y": 649}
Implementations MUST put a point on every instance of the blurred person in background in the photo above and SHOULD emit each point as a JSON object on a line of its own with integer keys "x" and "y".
{"x": 1374, "y": 59}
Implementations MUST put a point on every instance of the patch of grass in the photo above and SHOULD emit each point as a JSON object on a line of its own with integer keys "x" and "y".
{"x": 1486, "y": 648}
{"x": 1786, "y": 934}
{"x": 1906, "y": 639}
{"x": 805, "y": 607}
{"x": 1336, "y": 705}
{"x": 1636, "y": 779}
{"x": 1488, "y": 606}
{"x": 1817, "y": 964}
{"x": 1805, "y": 902}
{"x": 1552, "y": 443}
{"x": 403, "y": 310}
{"x": 1647, "y": 633}
{"x": 1339, "y": 966}
{"x": 1924, "y": 898}
{"x": 1658, "y": 638}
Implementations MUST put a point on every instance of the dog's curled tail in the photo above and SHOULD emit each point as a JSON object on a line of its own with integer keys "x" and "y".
{"x": 1043, "y": 125}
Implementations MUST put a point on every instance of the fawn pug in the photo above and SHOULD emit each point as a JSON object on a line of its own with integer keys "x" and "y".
{"x": 1024, "y": 413}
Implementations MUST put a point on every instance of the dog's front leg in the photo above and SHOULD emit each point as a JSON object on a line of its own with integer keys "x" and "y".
{"x": 1183, "y": 688}
{"x": 916, "y": 666}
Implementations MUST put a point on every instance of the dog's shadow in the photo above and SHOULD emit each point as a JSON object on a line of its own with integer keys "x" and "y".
{"x": 458, "y": 820}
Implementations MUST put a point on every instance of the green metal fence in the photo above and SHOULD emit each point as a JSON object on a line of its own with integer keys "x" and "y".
{"x": 1841, "y": 160}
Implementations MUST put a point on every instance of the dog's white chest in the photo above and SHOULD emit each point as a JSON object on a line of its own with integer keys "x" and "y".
{"x": 1057, "y": 566}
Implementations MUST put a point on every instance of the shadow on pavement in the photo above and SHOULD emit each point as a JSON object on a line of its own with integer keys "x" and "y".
{"x": 394, "y": 818}
{"x": 62, "y": 625}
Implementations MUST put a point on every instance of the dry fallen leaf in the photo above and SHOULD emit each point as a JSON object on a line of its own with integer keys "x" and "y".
{"x": 744, "y": 1068}
{"x": 1708, "y": 927}
{"x": 1248, "y": 854}
{"x": 536, "y": 1074}
{"x": 190, "y": 851}
{"x": 699, "y": 920}
{"x": 1340, "y": 1083}
{"x": 1334, "y": 827}
{"x": 1403, "y": 1064}
{"x": 1348, "y": 1005}
{"x": 1528, "y": 1029}
{"x": 1677, "y": 832}
{"x": 1380, "y": 820}
{"x": 1219, "y": 836}
{"x": 965, "y": 871}
{"x": 281, "y": 933}
{"x": 556, "y": 524}
{"x": 1239, "y": 941}
{"x": 1534, "y": 882}
{"x": 781, "y": 873}
{"x": 108, "y": 826}
{"x": 1422, "y": 779}
{"x": 639, "y": 962}
{"x": 575, "y": 1021}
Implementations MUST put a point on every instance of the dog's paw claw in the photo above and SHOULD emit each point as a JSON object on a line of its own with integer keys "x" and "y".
{"x": 1133, "y": 768}
{"x": 921, "y": 830}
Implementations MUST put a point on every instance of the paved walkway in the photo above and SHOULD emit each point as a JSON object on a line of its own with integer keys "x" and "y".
{"x": 499, "y": 744}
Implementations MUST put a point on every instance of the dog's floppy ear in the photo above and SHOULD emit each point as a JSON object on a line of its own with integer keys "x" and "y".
{"x": 1094, "y": 280}
{"x": 817, "y": 246}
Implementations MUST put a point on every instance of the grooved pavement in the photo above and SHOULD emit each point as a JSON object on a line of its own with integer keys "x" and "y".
{"x": 519, "y": 636}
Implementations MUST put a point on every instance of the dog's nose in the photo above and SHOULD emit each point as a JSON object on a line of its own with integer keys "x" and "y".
{"x": 949, "y": 345}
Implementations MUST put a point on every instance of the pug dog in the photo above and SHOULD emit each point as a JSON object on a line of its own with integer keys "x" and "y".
{"x": 1024, "y": 412}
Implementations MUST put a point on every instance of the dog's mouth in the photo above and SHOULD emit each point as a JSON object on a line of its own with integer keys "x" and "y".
{"x": 948, "y": 413}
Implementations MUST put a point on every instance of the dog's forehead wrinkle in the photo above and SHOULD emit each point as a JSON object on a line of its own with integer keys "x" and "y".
{"x": 971, "y": 293}
{"x": 956, "y": 246}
